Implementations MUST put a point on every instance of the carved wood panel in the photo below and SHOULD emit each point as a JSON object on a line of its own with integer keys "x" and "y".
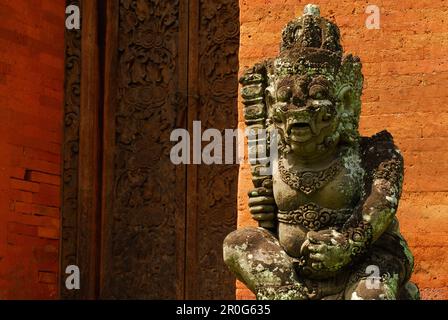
{"x": 153, "y": 229}
{"x": 70, "y": 155}
{"x": 213, "y": 189}
{"x": 145, "y": 217}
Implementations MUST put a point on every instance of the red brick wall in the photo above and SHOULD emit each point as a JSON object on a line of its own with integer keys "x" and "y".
{"x": 406, "y": 75}
{"x": 31, "y": 87}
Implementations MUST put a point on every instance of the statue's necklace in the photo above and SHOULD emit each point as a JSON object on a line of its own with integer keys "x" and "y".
{"x": 308, "y": 181}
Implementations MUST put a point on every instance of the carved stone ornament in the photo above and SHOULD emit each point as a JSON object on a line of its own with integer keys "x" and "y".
{"x": 313, "y": 217}
{"x": 308, "y": 181}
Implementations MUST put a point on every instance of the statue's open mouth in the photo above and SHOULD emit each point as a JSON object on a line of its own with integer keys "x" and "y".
{"x": 301, "y": 131}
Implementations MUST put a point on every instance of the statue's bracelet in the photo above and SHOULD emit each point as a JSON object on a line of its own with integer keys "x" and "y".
{"x": 359, "y": 238}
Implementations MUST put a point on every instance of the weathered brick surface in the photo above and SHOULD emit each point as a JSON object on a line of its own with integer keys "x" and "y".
{"x": 31, "y": 89}
{"x": 406, "y": 73}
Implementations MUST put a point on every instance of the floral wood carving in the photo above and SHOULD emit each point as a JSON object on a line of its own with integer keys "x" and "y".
{"x": 69, "y": 210}
{"x": 145, "y": 228}
{"x": 219, "y": 32}
{"x": 148, "y": 194}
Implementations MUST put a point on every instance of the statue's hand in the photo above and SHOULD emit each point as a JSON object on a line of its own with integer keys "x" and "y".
{"x": 328, "y": 250}
{"x": 262, "y": 204}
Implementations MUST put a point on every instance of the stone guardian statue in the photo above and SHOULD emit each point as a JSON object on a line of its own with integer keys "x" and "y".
{"x": 327, "y": 212}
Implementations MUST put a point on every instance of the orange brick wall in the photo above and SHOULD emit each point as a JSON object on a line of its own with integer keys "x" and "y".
{"x": 31, "y": 89}
{"x": 406, "y": 74}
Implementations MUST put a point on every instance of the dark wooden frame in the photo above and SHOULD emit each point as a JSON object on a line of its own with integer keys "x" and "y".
{"x": 81, "y": 152}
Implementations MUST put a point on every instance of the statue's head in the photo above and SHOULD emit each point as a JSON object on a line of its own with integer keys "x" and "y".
{"x": 313, "y": 92}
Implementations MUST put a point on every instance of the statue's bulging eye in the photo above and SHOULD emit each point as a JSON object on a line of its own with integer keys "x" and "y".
{"x": 284, "y": 94}
{"x": 318, "y": 92}
{"x": 319, "y": 96}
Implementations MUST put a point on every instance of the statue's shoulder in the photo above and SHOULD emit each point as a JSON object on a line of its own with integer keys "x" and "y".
{"x": 380, "y": 142}
{"x": 380, "y": 149}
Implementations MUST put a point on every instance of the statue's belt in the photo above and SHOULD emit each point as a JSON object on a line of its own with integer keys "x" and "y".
{"x": 313, "y": 217}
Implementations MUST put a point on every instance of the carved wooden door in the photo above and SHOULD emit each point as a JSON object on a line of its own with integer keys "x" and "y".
{"x": 135, "y": 224}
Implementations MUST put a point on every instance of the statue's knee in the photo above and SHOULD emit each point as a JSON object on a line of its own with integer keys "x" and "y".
{"x": 236, "y": 242}
{"x": 245, "y": 236}
{"x": 409, "y": 291}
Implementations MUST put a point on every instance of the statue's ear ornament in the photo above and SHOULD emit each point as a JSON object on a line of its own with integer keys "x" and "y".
{"x": 349, "y": 82}
{"x": 348, "y": 87}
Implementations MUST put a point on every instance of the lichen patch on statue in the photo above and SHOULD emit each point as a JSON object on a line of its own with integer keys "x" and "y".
{"x": 327, "y": 211}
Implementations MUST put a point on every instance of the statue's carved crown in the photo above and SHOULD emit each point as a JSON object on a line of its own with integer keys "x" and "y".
{"x": 311, "y": 41}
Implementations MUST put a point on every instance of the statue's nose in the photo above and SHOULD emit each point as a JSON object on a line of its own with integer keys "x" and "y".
{"x": 299, "y": 105}
{"x": 297, "y": 101}
{"x": 300, "y": 114}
